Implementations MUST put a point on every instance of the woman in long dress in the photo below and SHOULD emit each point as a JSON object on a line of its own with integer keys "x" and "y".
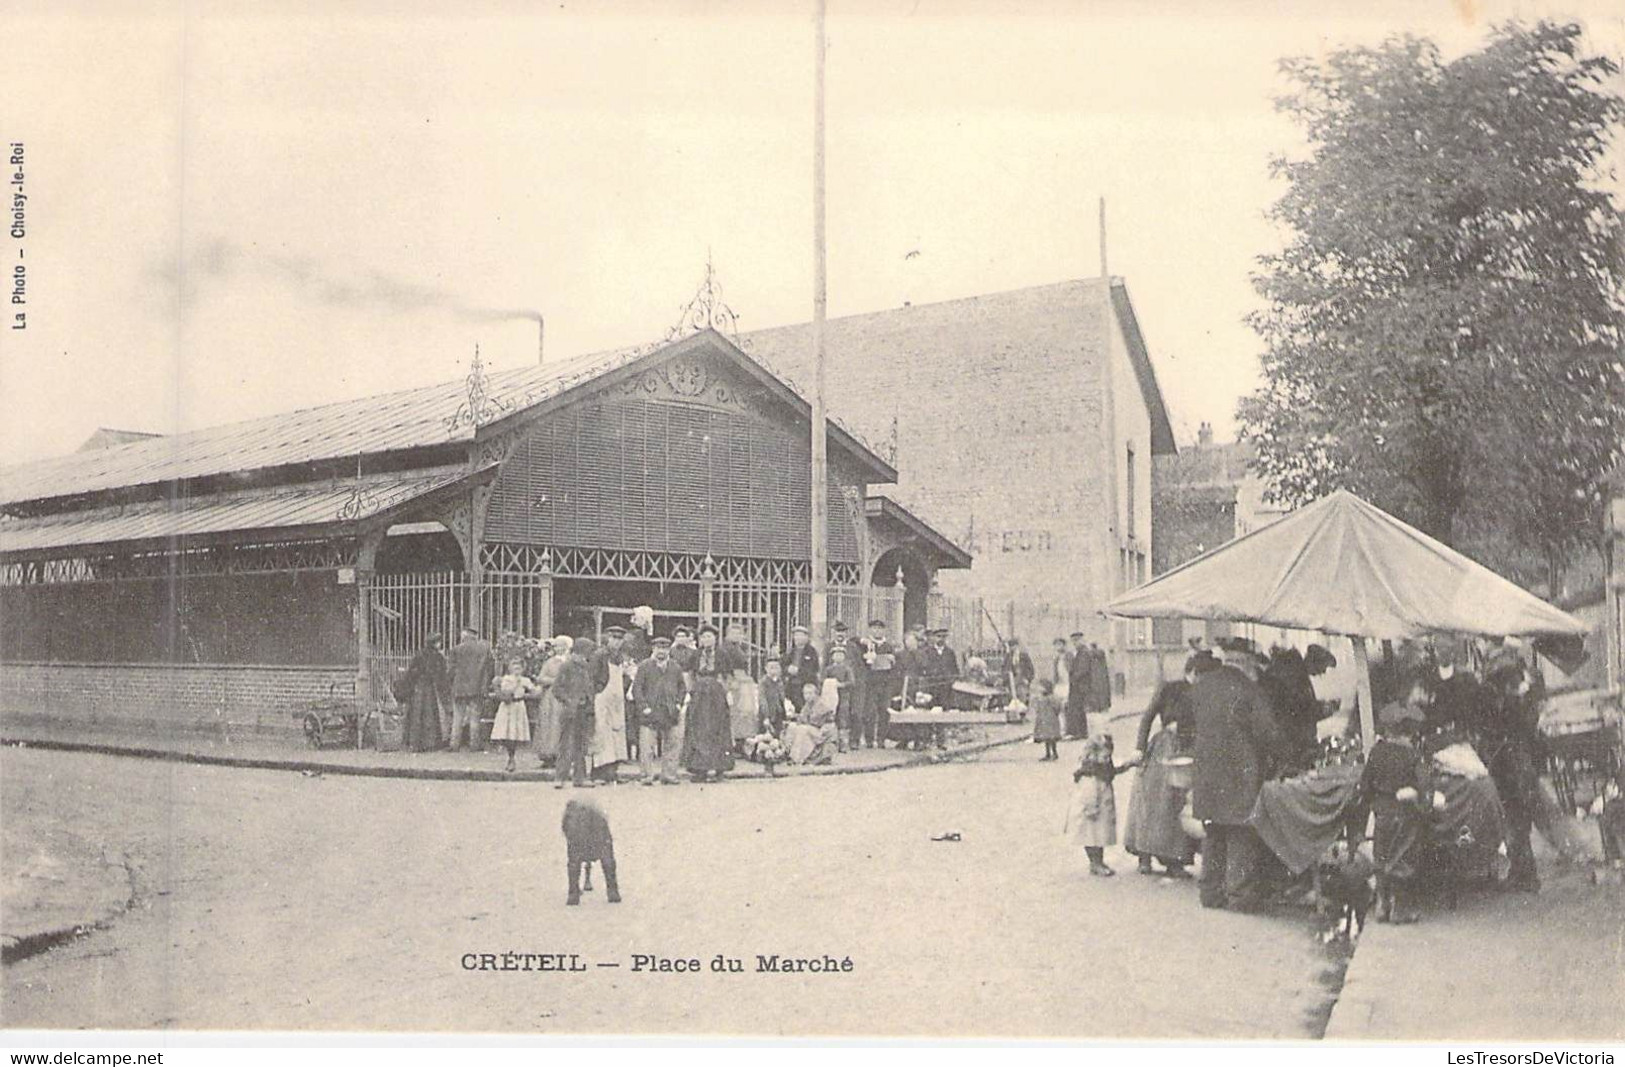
{"x": 548, "y": 720}
{"x": 708, "y": 735}
{"x": 428, "y": 685}
{"x": 1154, "y": 830}
{"x": 609, "y": 722}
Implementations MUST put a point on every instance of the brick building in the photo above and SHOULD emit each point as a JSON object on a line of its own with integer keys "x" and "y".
{"x": 234, "y": 574}
{"x": 1024, "y": 425}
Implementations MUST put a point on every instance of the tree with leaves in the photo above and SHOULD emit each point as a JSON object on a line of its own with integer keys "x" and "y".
{"x": 1442, "y": 331}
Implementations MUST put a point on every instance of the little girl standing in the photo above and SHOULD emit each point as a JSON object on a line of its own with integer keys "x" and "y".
{"x": 512, "y": 725}
{"x": 1091, "y": 817}
{"x": 1047, "y": 718}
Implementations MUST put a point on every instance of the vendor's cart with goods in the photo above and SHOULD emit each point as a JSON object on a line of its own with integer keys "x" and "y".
{"x": 330, "y": 721}
{"x": 1346, "y": 568}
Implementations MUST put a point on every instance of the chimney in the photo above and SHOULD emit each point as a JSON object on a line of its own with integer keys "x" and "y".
{"x": 1204, "y": 435}
{"x": 541, "y": 336}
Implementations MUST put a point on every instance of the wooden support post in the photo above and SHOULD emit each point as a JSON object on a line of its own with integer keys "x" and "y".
{"x": 1362, "y": 681}
{"x": 366, "y": 560}
{"x": 820, "y": 463}
{"x": 708, "y": 590}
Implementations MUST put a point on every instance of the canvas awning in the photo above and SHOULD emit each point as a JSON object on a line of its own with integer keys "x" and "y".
{"x": 1343, "y": 566}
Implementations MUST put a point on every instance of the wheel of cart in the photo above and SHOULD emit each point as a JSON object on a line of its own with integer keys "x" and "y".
{"x": 331, "y": 722}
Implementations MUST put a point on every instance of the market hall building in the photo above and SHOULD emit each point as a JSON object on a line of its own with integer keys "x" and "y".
{"x": 234, "y": 575}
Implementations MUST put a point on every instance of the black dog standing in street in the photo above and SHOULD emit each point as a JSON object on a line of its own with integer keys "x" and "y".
{"x": 587, "y": 840}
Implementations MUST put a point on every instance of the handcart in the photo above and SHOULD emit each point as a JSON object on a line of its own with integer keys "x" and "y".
{"x": 332, "y": 721}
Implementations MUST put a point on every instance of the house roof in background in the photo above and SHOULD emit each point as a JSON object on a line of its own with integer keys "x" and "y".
{"x": 106, "y": 438}
{"x": 910, "y": 333}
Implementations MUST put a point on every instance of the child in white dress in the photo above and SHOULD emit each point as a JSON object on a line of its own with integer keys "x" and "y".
{"x": 512, "y": 725}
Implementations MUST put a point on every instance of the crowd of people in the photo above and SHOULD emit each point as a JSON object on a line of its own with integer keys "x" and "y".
{"x": 688, "y": 703}
{"x": 1209, "y": 742}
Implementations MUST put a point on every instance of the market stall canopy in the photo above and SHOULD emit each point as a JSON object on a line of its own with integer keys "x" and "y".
{"x": 1343, "y": 566}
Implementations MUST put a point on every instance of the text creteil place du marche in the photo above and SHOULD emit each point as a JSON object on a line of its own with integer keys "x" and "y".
{"x": 639, "y": 963}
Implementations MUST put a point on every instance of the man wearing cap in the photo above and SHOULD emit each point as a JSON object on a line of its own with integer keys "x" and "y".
{"x": 880, "y": 659}
{"x": 472, "y": 668}
{"x": 609, "y": 737}
{"x": 574, "y": 692}
{"x": 1079, "y": 685}
{"x": 857, "y": 696}
{"x": 939, "y": 667}
{"x": 802, "y": 664}
{"x": 659, "y": 694}
{"x": 1238, "y": 746}
{"x": 683, "y": 650}
{"x": 770, "y": 696}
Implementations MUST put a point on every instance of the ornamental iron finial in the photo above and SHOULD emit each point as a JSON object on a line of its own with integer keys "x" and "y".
{"x": 707, "y": 310}
{"x": 480, "y": 407}
{"x": 363, "y": 500}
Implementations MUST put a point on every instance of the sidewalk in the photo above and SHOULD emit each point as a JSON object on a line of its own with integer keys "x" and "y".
{"x": 290, "y": 753}
{"x": 1505, "y": 967}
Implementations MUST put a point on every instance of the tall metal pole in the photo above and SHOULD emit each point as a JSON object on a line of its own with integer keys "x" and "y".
{"x": 820, "y": 461}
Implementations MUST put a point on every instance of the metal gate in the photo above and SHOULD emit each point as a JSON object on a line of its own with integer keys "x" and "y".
{"x": 407, "y": 608}
{"x": 768, "y": 611}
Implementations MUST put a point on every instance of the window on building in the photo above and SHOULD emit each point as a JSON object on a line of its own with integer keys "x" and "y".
{"x": 1128, "y": 494}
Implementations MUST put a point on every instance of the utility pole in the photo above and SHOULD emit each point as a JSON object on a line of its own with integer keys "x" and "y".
{"x": 820, "y": 461}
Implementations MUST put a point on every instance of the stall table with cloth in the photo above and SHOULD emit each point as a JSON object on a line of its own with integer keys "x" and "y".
{"x": 1299, "y": 818}
{"x": 932, "y": 726}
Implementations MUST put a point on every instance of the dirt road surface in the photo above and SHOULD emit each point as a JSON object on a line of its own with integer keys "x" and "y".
{"x": 268, "y": 899}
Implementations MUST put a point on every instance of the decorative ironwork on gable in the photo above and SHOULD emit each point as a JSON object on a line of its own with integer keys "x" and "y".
{"x": 479, "y": 407}
{"x": 707, "y": 311}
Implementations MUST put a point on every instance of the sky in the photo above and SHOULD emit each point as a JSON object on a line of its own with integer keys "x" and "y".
{"x": 235, "y": 210}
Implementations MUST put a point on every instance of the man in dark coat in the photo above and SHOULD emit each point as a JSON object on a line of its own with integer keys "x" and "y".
{"x": 1509, "y": 744}
{"x": 802, "y": 664}
{"x": 1079, "y": 682}
{"x": 858, "y": 697}
{"x": 1459, "y": 699}
{"x": 587, "y": 840}
{"x": 770, "y": 696}
{"x": 573, "y": 692}
{"x": 1292, "y": 694}
{"x": 939, "y": 668}
{"x": 1100, "y": 680}
{"x": 472, "y": 668}
{"x": 1237, "y": 746}
{"x": 880, "y": 658}
{"x": 658, "y": 694}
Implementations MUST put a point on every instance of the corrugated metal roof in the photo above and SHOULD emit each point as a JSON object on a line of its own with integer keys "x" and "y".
{"x": 407, "y": 419}
{"x": 411, "y": 418}
{"x": 272, "y": 508}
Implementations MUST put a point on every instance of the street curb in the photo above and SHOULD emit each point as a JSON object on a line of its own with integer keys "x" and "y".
{"x": 435, "y": 774}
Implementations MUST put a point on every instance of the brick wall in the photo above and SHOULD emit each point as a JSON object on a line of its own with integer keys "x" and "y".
{"x": 164, "y": 696}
